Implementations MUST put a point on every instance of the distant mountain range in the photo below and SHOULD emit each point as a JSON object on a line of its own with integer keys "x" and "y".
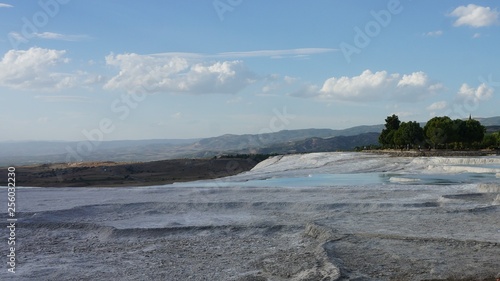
{"x": 491, "y": 121}
{"x": 245, "y": 142}
{"x": 315, "y": 144}
{"x": 287, "y": 141}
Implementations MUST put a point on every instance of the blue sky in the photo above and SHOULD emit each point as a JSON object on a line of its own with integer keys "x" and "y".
{"x": 109, "y": 70}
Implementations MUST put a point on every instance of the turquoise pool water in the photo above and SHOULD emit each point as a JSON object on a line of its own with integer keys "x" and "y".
{"x": 356, "y": 179}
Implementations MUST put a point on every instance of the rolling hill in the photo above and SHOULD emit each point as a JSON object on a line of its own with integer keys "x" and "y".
{"x": 286, "y": 141}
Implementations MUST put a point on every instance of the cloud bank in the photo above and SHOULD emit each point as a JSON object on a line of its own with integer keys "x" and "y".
{"x": 371, "y": 86}
{"x": 177, "y": 75}
{"x": 32, "y": 69}
{"x": 38, "y": 69}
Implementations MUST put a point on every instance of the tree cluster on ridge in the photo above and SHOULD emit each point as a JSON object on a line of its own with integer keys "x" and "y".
{"x": 438, "y": 132}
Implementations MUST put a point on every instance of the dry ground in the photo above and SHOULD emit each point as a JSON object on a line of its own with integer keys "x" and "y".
{"x": 128, "y": 174}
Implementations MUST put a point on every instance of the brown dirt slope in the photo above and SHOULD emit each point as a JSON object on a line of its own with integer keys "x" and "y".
{"x": 110, "y": 174}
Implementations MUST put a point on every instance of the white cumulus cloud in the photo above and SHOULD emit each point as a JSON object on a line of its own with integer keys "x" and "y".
{"x": 417, "y": 79}
{"x": 475, "y": 16}
{"x": 177, "y": 74}
{"x": 369, "y": 86}
{"x": 38, "y": 69}
{"x": 32, "y": 69}
{"x": 481, "y": 93}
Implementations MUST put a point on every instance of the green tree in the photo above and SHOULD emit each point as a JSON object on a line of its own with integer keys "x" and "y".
{"x": 458, "y": 130}
{"x": 439, "y": 131}
{"x": 497, "y": 137}
{"x": 457, "y": 133}
{"x": 392, "y": 123}
{"x": 409, "y": 133}
{"x": 474, "y": 131}
{"x": 491, "y": 140}
{"x": 386, "y": 137}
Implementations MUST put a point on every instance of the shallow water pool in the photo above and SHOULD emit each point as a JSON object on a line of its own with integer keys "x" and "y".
{"x": 354, "y": 179}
